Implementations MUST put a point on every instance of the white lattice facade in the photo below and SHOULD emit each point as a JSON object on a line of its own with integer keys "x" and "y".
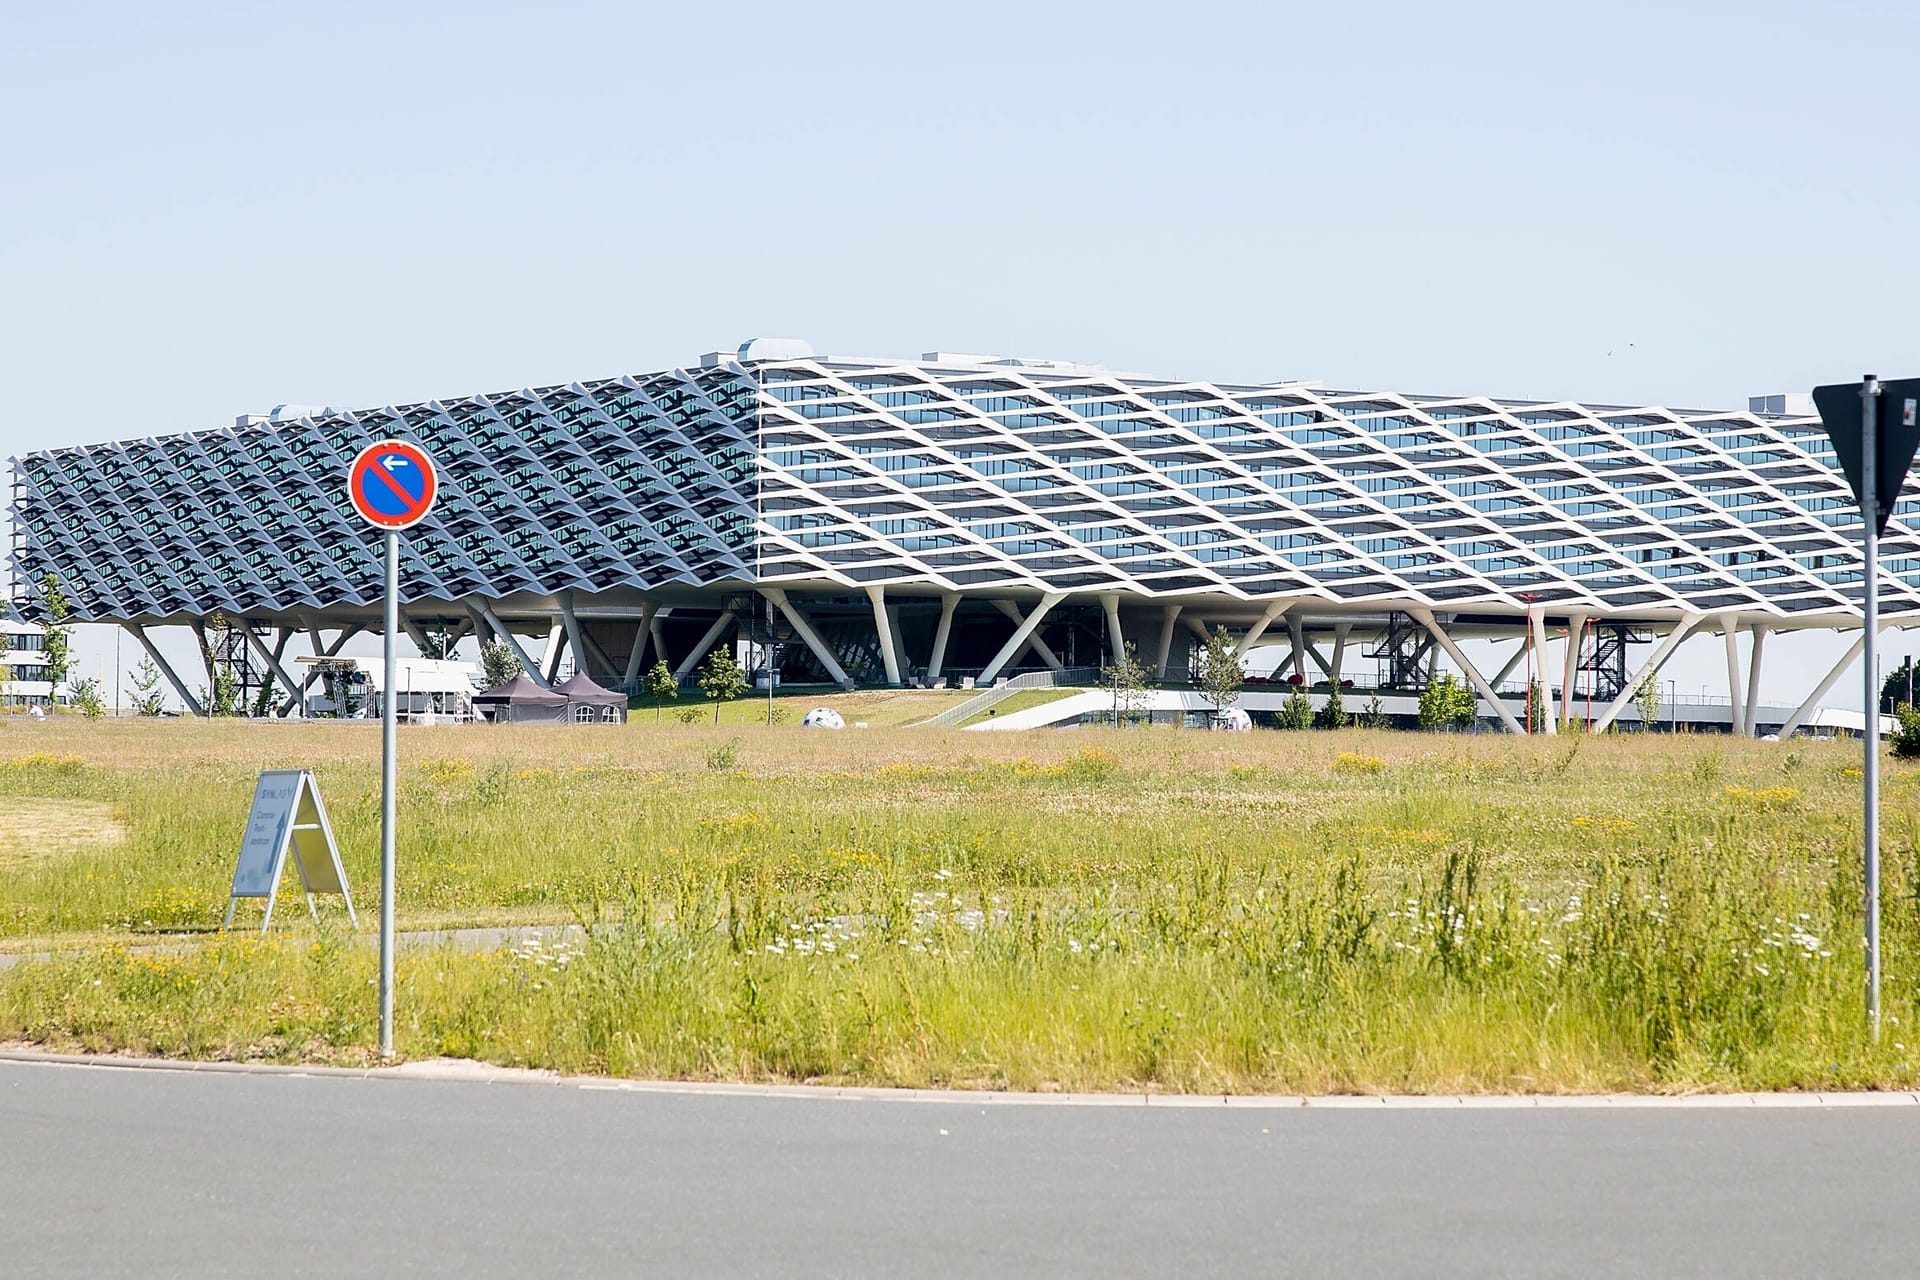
{"x": 901, "y": 520}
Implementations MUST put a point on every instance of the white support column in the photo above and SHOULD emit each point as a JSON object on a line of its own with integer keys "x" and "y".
{"x": 1445, "y": 641}
{"x": 1512, "y": 662}
{"x": 1034, "y": 641}
{"x": 1730, "y": 628}
{"x": 586, "y": 650}
{"x": 1576, "y": 633}
{"x": 1167, "y": 618}
{"x": 513, "y": 642}
{"x": 1751, "y": 720}
{"x": 166, "y": 669}
{"x": 882, "y": 625}
{"x": 639, "y": 650}
{"x": 707, "y": 641}
{"x": 1017, "y": 643}
{"x": 1807, "y": 708}
{"x": 550, "y": 656}
{"x": 199, "y": 628}
{"x": 1339, "y": 649}
{"x": 899, "y": 644}
{"x": 321, "y": 649}
{"x": 1648, "y": 669}
{"x": 1116, "y": 641}
{"x": 570, "y": 622}
{"x": 1297, "y": 632}
{"x": 1537, "y": 625}
{"x": 1320, "y": 661}
{"x": 949, "y": 601}
{"x": 658, "y": 630}
{"x": 1259, "y": 628}
{"x": 272, "y": 660}
{"x": 807, "y": 634}
{"x": 415, "y": 633}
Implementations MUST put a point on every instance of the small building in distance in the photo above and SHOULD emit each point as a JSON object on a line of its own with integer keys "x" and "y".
{"x": 23, "y": 666}
{"x": 428, "y": 688}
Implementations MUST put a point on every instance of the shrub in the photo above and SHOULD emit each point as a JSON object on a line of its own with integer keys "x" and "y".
{"x": 1334, "y": 714}
{"x": 1297, "y": 711}
{"x": 1906, "y": 732}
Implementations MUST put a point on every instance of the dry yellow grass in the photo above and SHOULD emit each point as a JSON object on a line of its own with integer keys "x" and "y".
{"x": 35, "y": 829}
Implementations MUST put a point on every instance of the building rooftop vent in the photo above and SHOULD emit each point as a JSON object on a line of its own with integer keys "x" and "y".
{"x": 1792, "y": 404}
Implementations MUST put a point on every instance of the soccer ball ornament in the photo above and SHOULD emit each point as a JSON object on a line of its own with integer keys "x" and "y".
{"x": 822, "y": 718}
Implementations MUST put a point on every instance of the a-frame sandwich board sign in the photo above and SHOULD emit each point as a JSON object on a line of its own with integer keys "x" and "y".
{"x": 287, "y": 816}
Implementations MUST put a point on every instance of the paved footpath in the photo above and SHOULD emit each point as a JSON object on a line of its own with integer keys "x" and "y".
{"x": 124, "y": 1172}
{"x": 477, "y": 939}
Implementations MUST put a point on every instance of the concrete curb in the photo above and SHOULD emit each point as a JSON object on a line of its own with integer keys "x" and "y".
{"x": 459, "y": 1070}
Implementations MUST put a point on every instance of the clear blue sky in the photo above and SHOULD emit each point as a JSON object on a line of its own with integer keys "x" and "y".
{"x": 216, "y": 208}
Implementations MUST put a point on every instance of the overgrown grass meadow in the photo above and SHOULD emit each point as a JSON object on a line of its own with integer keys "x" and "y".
{"x": 1138, "y": 909}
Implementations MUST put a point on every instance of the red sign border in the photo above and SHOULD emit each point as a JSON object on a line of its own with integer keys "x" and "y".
{"x": 364, "y": 459}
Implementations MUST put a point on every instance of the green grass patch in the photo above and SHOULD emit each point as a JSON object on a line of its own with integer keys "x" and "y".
{"x": 1151, "y": 909}
{"x": 1019, "y": 700}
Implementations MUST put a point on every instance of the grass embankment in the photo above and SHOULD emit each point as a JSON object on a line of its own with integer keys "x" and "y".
{"x": 1098, "y": 909}
{"x": 1019, "y": 700}
{"x": 876, "y": 708}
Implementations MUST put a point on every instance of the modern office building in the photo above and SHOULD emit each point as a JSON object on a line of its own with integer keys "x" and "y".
{"x": 897, "y": 521}
{"x": 23, "y": 665}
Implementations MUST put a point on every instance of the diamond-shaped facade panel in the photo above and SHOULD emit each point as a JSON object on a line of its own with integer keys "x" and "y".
{"x": 978, "y": 475}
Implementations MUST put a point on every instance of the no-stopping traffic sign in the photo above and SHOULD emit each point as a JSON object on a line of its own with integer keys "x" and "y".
{"x": 392, "y": 484}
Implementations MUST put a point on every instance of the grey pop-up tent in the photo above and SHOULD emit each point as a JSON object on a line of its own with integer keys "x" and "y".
{"x": 589, "y": 703}
{"x": 521, "y": 701}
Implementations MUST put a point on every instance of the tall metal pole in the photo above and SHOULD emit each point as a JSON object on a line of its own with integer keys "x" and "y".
{"x": 1870, "y": 765}
{"x": 387, "y": 794}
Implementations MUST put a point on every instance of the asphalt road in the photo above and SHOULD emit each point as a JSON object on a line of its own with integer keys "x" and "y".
{"x": 148, "y": 1173}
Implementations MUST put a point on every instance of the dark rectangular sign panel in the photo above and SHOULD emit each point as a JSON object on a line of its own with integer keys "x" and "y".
{"x": 1896, "y": 436}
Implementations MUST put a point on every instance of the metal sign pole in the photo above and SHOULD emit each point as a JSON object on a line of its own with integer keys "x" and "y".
{"x": 1870, "y": 765}
{"x": 387, "y": 789}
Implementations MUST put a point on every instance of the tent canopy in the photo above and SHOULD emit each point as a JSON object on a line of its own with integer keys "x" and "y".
{"x": 580, "y": 688}
{"x": 521, "y": 692}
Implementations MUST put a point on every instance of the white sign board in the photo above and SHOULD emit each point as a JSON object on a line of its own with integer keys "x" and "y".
{"x": 288, "y": 816}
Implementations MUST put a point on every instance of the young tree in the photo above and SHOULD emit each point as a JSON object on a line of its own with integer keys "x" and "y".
{"x": 87, "y": 700}
{"x": 226, "y": 697}
{"x": 146, "y": 689}
{"x": 1334, "y": 714}
{"x": 1126, "y": 679}
{"x": 660, "y": 686}
{"x": 1646, "y": 700}
{"x": 1220, "y": 676}
{"x": 1375, "y": 716}
{"x": 498, "y": 663}
{"x": 1446, "y": 703}
{"x": 1297, "y": 711}
{"x": 59, "y": 631}
{"x": 1536, "y": 707}
{"x": 721, "y": 679}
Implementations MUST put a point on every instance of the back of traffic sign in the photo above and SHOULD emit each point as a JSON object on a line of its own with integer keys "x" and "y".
{"x": 1896, "y": 437}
